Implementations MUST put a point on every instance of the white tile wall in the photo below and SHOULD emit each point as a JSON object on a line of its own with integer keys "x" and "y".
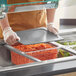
{"x": 65, "y": 11}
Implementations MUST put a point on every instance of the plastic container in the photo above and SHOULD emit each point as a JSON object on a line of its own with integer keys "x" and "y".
{"x": 42, "y": 51}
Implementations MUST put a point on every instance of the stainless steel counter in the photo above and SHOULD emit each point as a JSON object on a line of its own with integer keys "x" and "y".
{"x": 62, "y": 27}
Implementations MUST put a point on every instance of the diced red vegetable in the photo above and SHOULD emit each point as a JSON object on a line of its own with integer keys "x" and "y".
{"x": 33, "y": 50}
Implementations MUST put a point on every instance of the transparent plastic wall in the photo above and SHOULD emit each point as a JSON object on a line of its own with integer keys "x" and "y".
{"x": 28, "y": 6}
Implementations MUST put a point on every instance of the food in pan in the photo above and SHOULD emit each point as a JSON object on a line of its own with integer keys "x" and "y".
{"x": 67, "y": 42}
{"x": 74, "y": 48}
{"x": 42, "y": 51}
{"x": 63, "y": 53}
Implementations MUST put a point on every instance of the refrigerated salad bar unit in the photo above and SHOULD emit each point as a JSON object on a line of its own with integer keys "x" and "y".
{"x": 47, "y": 58}
{"x": 53, "y": 58}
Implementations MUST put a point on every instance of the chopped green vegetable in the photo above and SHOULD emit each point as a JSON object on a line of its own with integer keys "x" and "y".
{"x": 67, "y": 43}
{"x": 63, "y": 53}
{"x": 74, "y": 48}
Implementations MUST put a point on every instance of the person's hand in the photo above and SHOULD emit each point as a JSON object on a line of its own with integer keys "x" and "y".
{"x": 52, "y": 28}
{"x": 10, "y": 37}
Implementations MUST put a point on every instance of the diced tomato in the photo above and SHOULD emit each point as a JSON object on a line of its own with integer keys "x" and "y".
{"x": 37, "y": 50}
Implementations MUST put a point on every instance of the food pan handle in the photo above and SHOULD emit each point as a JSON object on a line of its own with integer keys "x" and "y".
{"x": 21, "y": 53}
